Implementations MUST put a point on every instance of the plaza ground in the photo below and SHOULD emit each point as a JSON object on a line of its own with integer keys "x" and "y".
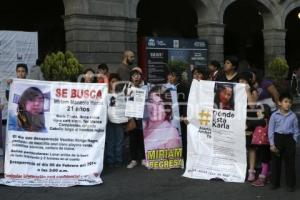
{"x": 140, "y": 183}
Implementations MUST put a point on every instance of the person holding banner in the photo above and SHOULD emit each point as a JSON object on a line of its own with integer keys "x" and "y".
{"x": 115, "y": 129}
{"x": 102, "y": 73}
{"x": 229, "y": 73}
{"x": 89, "y": 76}
{"x": 198, "y": 74}
{"x": 136, "y": 138}
{"x": 21, "y": 72}
{"x": 30, "y": 112}
{"x": 246, "y": 78}
{"x": 159, "y": 133}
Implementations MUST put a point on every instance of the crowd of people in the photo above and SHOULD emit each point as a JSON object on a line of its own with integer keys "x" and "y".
{"x": 272, "y": 128}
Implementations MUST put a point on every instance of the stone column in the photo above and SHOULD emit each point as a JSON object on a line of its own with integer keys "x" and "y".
{"x": 214, "y": 34}
{"x": 99, "y": 31}
{"x": 274, "y": 41}
{"x": 98, "y": 39}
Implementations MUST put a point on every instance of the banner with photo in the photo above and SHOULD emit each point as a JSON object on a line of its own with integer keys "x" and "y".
{"x": 216, "y": 132}
{"x": 163, "y": 148}
{"x": 56, "y": 134}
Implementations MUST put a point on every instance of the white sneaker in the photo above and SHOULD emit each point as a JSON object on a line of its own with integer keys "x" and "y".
{"x": 132, "y": 164}
{"x": 144, "y": 163}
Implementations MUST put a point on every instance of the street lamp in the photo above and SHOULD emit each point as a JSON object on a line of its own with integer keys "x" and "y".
{"x": 299, "y": 15}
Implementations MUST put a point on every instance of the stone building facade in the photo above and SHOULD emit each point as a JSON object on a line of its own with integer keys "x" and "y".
{"x": 99, "y": 30}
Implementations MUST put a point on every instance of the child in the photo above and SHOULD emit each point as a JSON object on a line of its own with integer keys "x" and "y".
{"x": 198, "y": 74}
{"x": 115, "y": 131}
{"x": 261, "y": 143}
{"x": 21, "y": 72}
{"x": 283, "y": 134}
{"x": 213, "y": 67}
{"x": 102, "y": 73}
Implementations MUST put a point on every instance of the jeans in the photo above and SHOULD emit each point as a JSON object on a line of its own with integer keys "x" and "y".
{"x": 114, "y": 143}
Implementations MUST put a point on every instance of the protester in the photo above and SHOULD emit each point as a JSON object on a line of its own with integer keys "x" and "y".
{"x": 295, "y": 81}
{"x": 115, "y": 131}
{"x": 30, "y": 113}
{"x": 21, "y": 72}
{"x": 88, "y": 76}
{"x": 229, "y": 73}
{"x": 213, "y": 67}
{"x": 175, "y": 82}
{"x": 172, "y": 78}
{"x": 283, "y": 134}
{"x": 246, "y": 78}
{"x": 267, "y": 92}
{"x": 159, "y": 133}
{"x": 136, "y": 138}
{"x": 102, "y": 73}
{"x": 198, "y": 74}
{"x": 261, "y": 143}
{"x": 126, "y": 65}
{"x": 35, "y": 71}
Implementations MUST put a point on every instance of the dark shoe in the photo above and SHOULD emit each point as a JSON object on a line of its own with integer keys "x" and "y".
{"x": 118, "y": 165}
{"x": 290, "y": 189}
{"x": 110, "y": 166}
{"x": 274, "y": 187}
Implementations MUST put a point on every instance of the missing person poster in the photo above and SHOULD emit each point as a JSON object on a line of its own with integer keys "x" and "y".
{"x": 135, "y": 103}
{"x": 162, "y": 139}
{"x": 216, "y": 131}
{"x": 56, "y": 134}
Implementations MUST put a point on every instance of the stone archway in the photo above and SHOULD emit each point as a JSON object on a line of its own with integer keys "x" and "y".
{"x": 157, "y": 19}
{"x": 292, "y": 25}
{"x": 260, "y": 34}
{"x": 45, "y": 17}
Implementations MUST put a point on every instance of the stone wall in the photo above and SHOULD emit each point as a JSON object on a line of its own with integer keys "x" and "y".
{"x": 100, "y": 30}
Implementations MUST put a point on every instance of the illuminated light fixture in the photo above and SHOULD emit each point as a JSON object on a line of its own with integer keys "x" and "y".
{"x": 299, "y": 15}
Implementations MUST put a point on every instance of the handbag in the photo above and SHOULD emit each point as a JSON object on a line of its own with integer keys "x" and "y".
{"x": 260, "y": 136}
{"x": 131, "y": 125}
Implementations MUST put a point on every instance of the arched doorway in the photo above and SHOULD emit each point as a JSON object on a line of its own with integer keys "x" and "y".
{"x": 167, "y": 18}
{"x": 243, "y": 35}
{"x": 292, "y": 25}
{"x": 45, "y": 17}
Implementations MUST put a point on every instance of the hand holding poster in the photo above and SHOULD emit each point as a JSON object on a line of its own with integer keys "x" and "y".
{"x": 162, "y": 139}
{"x": 56, "y": 134}
{"x": 216, "y": 132}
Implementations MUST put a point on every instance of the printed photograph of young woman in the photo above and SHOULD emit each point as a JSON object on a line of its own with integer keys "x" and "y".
{"x": 159, "y": 133}
{"x": 224, "y": 96}
{"x": 30, "y": 112}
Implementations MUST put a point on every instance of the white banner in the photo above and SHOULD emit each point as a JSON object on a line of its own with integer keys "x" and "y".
{"x": 15, "y": 47}
{"x": 216, "y": 132}
{"x": 56, "y": 134}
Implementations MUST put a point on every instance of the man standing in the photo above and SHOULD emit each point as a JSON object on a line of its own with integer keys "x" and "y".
{"x": 35, "y": 72}
{"x": 127, "y": 64}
